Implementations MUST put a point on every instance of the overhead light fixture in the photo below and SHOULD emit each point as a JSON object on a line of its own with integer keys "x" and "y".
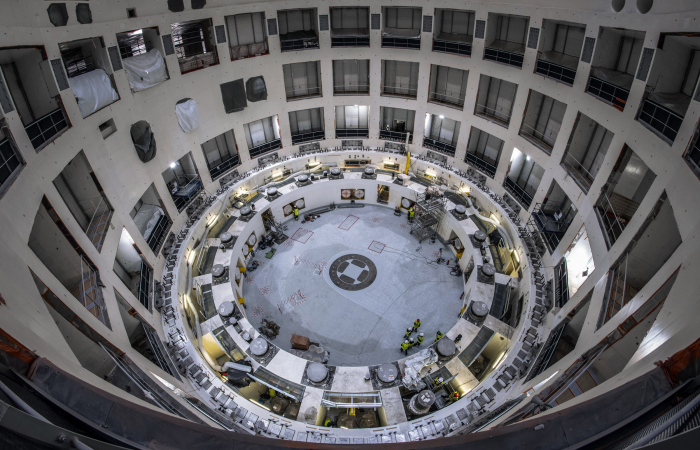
{"x": 527, "y": 157}
{"x": 172, "y": 165}
{"x": 442, "y": 117}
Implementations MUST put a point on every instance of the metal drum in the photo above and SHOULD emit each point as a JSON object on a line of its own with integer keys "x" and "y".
{"x": 480, "y": 236}
{"x": 226, "y": 237}
{"x": 271, "y": 191}
{"x": 217, "y": 271}
{"x": 317, "y": 372}
{"x": 259, "y": 346}
{"x": 335, "y": 171}
{"x": 303, "y": 178}
{"x": 226, "y": 309}
{"x": 488, "y": 270}
{"x": 461, "y": 209}
{"x": 478, "y": 310}
{"x": 369, "y": 171}
{"x": 246, "y": 211}
{"x": 387, "y": 373}
{"x": 446, "y": 347}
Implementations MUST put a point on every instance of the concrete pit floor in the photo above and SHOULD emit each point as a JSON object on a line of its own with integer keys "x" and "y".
{"x": 358, "y": 328}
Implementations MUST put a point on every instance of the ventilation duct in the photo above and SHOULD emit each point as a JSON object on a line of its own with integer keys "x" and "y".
{"x": 187, "y": 114}
{"x": 58, "y": 14}
{"x": 198, "y": 4}
{"x": 233, "y": 96}
{"x": 144, "y": 141}
{"x": 83, "y": 13}
{"x": 256, "y": 89}
{"x": 176, "y": 5}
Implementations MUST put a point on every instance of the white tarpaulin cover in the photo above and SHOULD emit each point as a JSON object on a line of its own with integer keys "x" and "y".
{"x": 145, "y": 70}
{"x": 187, "y": 115}
{"x": 93, "y": 91}
{"x": 146, "y": 219}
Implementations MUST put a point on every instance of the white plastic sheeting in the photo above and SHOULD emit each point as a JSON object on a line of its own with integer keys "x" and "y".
{"x": 146, "y": 219}
{"x": 93, "y": 91}
{"x": 145, "y": 70}
{"x": 187, "y": 115}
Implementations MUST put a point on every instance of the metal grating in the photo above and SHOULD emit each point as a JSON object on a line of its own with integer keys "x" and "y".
{"x": 57, "y": 66}
{"x": 376, "y": 21}
{"x": 533, "y": 37}
{"x": 427, "y": 24}
{"x": 645, "y": 63}
{"x": 272, "y": 27}
{"x": 115, "y": 58}
{"x": 168, "y": 44}
{"x": 588, "y": 47}
{"x": 476, "y": 346}
{"x": 5, "y": 101}
{"x": 480, "y": 29}
{"x": 323, "y": 22}
{"x": 220, "y": 34}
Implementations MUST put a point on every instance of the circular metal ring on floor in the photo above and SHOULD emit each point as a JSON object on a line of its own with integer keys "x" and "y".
{"x": 353, "y": 272}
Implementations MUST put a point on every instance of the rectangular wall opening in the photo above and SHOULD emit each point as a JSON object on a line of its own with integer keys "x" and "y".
{"x": 551, "y": 218}
{"x": 655, "y": 242}
{"x": 559, "y": 50}
{"x": 151, "y": 218}
{"x": 263, "y": 136}
{"x": 351, "y": 77}
{"x": 506, "y": 36}
{"x": 620, "y": 197}
{"x": 578, "y": 265}
{"x": 195, "y": 45}
{"x": 401, "y": 27}
{"x": 453, "y": 31}
{"x": 34, "y": 93}
{"x": 133, "y": 270}
{"x": 302, "y": 80}
{"x": 692, "y": 152}
{"x": 399, "y": 79}
{"x": 523, "y": 178}
{"x": 142, "y": 57}
{"x": 588, "y": 143}
{"x": 542, "y": 121}
{"x": 615, "y": 61}
{"x": 221, "y": 153}
{"x": 396, "y": 124}
{"x": 60, "y": 253}
{"x": 494, "y": 100}
{"x": 11, "y": 161}
{"x": 183, "y": 181}
{"x": 441, "y": 134}
{"x": 672, "y": 81}
{"x": 351, "y": 121}
{"x": 298, "y": 29}
{"x": 247, "y": 35}
{"x": 306, "y": 125}
{"x": 89, "y": 74}
{"x": 483, "y": 151}
{"x": 83, "y": 195}
{"x": 448, "y": 86}
{"x": 349, "y": 26}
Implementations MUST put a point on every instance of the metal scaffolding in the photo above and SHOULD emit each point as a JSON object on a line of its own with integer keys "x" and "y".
{"x": 429, "y": 212}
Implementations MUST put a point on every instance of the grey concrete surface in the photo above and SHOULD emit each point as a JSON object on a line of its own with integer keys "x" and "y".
{"x": 363, "y": 327}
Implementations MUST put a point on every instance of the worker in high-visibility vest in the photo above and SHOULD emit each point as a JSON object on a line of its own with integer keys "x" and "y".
{"x": 296, "y": 213}
{"x": 272, "y": 393}
{"x": 438, "y": 336}
{"x": 411, "y": 213}
{"x": 408, "y": 332}
{"x": 328, "y": 422}
{"x": 404, "y": 347}
{"x": 416, "y": 324}
{"x": 438, "y": 381}
{"x": 419, "y": 341}
{"x": 453, "y": 397}
{"x": 411, "y": 343}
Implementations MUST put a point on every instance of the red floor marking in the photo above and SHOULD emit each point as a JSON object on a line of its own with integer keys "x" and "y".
{"x": 376, "y": 220}
{"x": 376, "y": 246}
{"x": 249, "y": 279}
{"x": 265, "y": 290}
{"x": 257, "y": 311}
{"x": 288, "y": 243}
{"x": 296, "y": 299}
{"x": 300, "y": 234}
{"x": 404, "y": 226}
{"x": 351, "y": 224}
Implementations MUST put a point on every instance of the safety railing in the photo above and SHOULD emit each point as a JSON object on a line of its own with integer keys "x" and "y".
{"x": 578, "y": 172}
{"x": 561, "y": 284}
{"x": 352, "y": 133}
{"x": 492, "y": 114}
{"x": 555, "y": 71}
{"x": 308, "y": 136}
{"x": 224, "y": 166}
{"x": 406, "y": 43}
{"x": 612, "y": 223}
{"x": 299, "y": 44}
{"x": 608, "y": 92}
{"x": 618, "y": 293}
{"x": 504, "y": 57}
{"x": 90, "y": 292}
{"x": 550, "y": 223}
{"x": 97, "y": 227}
{"x": 447, "y": 99}
{"x": 438, "y": 146}
{"x": 518, "y": 193}
{"x": 265, "y": 148}
{"x": 306, "y": 92}
{"x": 144, "y": 288}
{"x": 351, "y": 89}
{"x": 400, "y": 91}
{"x": 196, "y": 62}
{"x": 396, "y": 136}
{"x": 480, "y": 164}
{"x": 157, "y": 237}
{"x": 46, "y": 128}
{"x": 189, "y": 191}
{"x": 455, "y": 48}
{"x": 349, "y": 41}
{"x": 250, "y": 50}
{"x": 538, "y": 138}
{"x": 665, "y": 122}
{"x": 201, "y": 258}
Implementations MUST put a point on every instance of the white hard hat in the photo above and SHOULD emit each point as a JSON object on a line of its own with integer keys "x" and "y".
{"x": 405, "y": 342}
{"x": 409, "y": 329}
{"x": 421, "y": 334}
{"x": 440, "y": 380}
